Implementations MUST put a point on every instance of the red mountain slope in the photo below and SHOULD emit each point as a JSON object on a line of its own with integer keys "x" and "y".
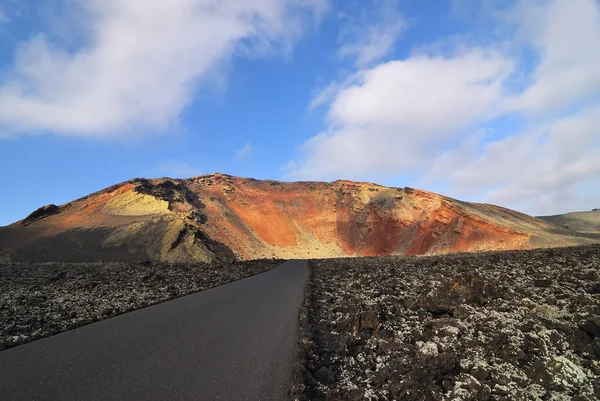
{"x": 216, "y": 216}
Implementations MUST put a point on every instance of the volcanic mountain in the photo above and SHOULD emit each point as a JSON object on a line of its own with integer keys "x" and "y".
{"x": 583, "y": 222}
{"x": 220, "y": 217}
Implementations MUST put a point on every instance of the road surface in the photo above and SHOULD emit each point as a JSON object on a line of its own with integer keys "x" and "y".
{"x": 234, "y": 342}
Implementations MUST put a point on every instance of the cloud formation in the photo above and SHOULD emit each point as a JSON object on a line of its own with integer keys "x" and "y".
{"x": 389, "y": 117}
{"x": 3, "y": 16}
{"x": 435, "y": 116}
{"x": 140, "y": 63}
{"x": 374, "y": 33}
{"x": 566, "y": 36}
{"x": 541, "y": 170}
{"x": 244, "y": 151}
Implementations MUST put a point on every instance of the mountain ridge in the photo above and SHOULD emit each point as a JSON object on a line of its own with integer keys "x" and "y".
{"x": 587, "y": 222}
{"x": 222, "y": 217}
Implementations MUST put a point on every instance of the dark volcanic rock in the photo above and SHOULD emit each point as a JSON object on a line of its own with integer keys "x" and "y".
{"x": 519, "y": 325}
{"x": 40, "y": 213}
{"x": 38, "y": 300}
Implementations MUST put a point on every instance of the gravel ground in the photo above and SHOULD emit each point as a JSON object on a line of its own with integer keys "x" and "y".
{"x": 39, "y": 300}
{"x": 519, "y": 325}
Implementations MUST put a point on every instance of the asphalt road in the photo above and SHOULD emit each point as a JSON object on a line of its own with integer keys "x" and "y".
{"x": 234, "y": 342}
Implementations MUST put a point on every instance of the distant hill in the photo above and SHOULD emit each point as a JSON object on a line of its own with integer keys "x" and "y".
{"x": 583, "y": 222}
{"x": 220, "y": 217}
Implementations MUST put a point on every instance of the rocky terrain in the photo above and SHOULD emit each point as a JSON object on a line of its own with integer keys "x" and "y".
{"x": 517, "y": 325}
{"x": 220, "y": 218}
{"x": 39, "y": 300}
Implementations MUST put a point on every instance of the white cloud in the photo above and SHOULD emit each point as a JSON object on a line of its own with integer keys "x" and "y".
{"x": 553, "y": 166}
{"x": 372, "y": 37}
{"x": 566, "y": 35}
{"x": 416, "y": 117}
{"x": 176, "y": 169}
{"x": 142, "y": 63}
{"x": 3, "y": 16}
{"x": 541, "y": 170}
{"x": 389, "y": 117}
{"x": 244, "y": 151}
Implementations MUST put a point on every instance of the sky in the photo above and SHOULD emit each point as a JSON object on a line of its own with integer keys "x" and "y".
{"x": 494, "y": 101}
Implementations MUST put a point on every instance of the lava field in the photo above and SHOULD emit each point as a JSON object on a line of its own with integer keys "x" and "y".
{"x": 516, "y": 325}
{"x": 42, "y": 299}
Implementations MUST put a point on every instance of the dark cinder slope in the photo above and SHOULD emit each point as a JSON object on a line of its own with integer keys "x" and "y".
{"x": 235, "y": 342}
{"x": 583, "y": 222}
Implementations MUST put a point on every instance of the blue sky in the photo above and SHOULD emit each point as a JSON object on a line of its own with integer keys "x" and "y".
{"x": 491, "y": 101}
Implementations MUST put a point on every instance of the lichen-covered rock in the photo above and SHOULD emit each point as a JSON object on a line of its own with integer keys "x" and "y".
{"x": 497, "y": 326}
{"x": 38, "y": 300}
{"x": 468, "y": 388}
{"x": 566, "y": 375}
